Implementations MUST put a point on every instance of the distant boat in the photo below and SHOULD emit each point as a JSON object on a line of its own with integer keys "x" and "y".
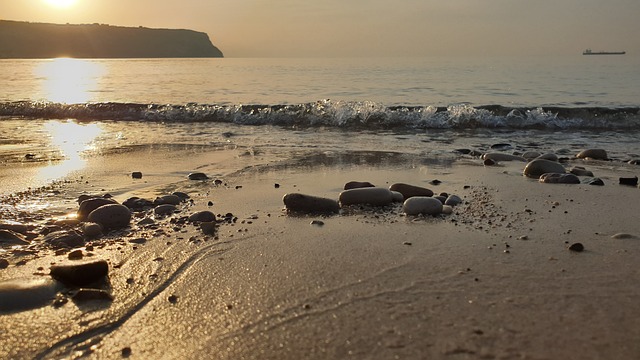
{"x": 589, "y": 52}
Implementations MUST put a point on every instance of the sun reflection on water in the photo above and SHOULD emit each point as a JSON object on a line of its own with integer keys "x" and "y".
{"x": 70, "y": 81}
{"x": 72, "y": 140}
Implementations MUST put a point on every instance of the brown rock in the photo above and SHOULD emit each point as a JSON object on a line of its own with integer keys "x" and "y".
{"x": 410, "y": 190}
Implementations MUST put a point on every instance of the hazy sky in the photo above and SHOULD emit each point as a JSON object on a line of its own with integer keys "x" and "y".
{"x": 333, "y": 28}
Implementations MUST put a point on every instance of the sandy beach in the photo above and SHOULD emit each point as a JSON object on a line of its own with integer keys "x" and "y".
{"x": 493, "y": 280}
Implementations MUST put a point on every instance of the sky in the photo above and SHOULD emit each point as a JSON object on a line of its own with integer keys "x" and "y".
{"x": 365, "y": 28}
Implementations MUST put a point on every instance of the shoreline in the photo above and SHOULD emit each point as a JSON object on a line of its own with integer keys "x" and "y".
{"x": 493, "y": 280}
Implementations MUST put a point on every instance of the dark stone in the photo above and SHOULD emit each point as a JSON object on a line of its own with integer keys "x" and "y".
{"x": 183, "y": 196}
{"x": 593, "y": 181}
{"x": 596, "y": 154}
{"x": 307, "y": 204}
{"x": 553, "y": 178}
{"x": 90, "y": 204}
{"x": 165, "y": 209}
{"x": 137, "y": 204}
{"x": 577, "y": 247}
{"x": 410, "y": 190}
{"x": 64, "y": 239}
{"x": 436, "y": 181}
{"x": 488, "y": 162}
{"x": 173, "y": 299}
{"x": 80, "y": 274}
{"x": 538, "y": 167}
{"x": 168, "y": 199}
{"x": 198, "y": 176}
{"x": 113, "y": 216}
{"x": 202, "y": 216}
{"x": 629, "y": 181}
{"x": 136, "y": 175}
{"x": 8, "y": 237}
{"x": 501, "y": 146}
{"x": 15, "y": 227}
{"x": 4, "y": 263}
{"x": 357, "y": 185}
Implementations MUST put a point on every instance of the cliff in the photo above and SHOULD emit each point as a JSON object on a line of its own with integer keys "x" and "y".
{"x": 37, "y": 40}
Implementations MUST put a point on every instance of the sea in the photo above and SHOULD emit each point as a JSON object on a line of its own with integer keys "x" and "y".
{"x": 54, "y": 109}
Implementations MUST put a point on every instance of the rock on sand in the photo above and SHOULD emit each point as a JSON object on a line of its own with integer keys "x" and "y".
{"x": 371, "y": 195}
{"x": 113, "y": 216}
{"x": 308, "y": 204}
{"x": 554, "y": 178}
{"x": 538, "y": 167}
{"x": 422, "y": 205}
{"x": 410, "y": 190}
{"x": 596, "y": 154}
{"x": 80, "y": 273}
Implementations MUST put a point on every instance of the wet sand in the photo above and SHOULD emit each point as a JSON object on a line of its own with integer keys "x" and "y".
{"x": 494, "y": 280}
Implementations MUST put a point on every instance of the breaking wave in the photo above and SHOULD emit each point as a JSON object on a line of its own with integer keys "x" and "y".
{"x": 342, "y": 114}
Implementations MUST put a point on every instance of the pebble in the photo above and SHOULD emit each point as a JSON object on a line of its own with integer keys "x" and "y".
{"x": 4, "y": 263}
{"x": 593, "y": 181}
{"x": 408, "y": 190}
{"x": 498, "y": 157}
{"x": 8, "y": 237}
{"x": 553, "y": 178}
{"x": 580, "y": 171}
{"x": 453, "y": 200}
{"x": 80, "y": 274}
{"x": 64, "y": 239}
{"x": 197, "y": 176}
{"x": 14, "y": 226}
{"x": 202, "y": 216}
{"x": 24, "y": 294}
{"x": 91, "y": 230}
{"x": 634, "y": 162}
{"x": 208, "y": 228}
{"x": 374, "y": 196}
{"x": 440, "y": 198}
{"x": 537, "y": 167}
{"x": 488, "y": 162}
{"x": 89, "y": 205}
{"x": 549, "y": 156}
{"x": 75, "y": 254}
{"x": 447, "y": 209}
{"x": 357, "y": 185}
{"x": 113, "y": 216}
{"x": 136, "y": 175}
{"x": 168, "y": 199}
{"x": 165, "y": 209}
{"x": 530, "y": 155}
{"x": 502, "y": 146}
{"x": 577, "y": 247}
{"x": 182, "y": 195}
{"x": 623, "y": 236}
{"x": 629, "y": 181}
{"x": 136, "y": 203}
{"x": 422, "y": 205}
{"x": 308, "y": 204}
{"x": 397, "y": 196}
{"x": 317, "y": 222}
{"x": 596, "y": 154}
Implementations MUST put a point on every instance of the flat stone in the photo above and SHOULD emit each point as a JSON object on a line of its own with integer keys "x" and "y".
{"x": 453, "y": 200}
{"x": 623, "y": 236}
{"x": 136, "y": 175}
{"x": 374, "y": 196}
{"x": 629, "y": 181}
{"x": 64, "y": 239}
{"x": 197, "y": 176}
{"x": 595, "y": 154}
{"x": 136, "y": 203}
{"x": 501, "y": 157}
{"x": 10, "y": 238}
{"x": 580, "y": 171}
{"x": 92, "y": 230}
{"x": 308, "y": 204}
{"x": 165, "y": 209}
{"x": 88, "y": 205}
{"x": 530, "y": 155}
{"x": 397, "y": 196}
{"x": 26, "y": 294}
{"x": 80, "y": 273}
{"x": 208, "y": 228}
{"x": 554, "y": 178}
{"x": 16, "y": 227}
{"x": 422, "y": 205}
{"x": 357, "y": 185}
{"x": 202, "y": 216}
{"x": 593, "y": 181}
{"x": 408, "y": 190}
{"x": 113, "y": 216}
{"x": 549, "y": 156}
{"x": 168, "y": 199}
{"x": 537, "y": 167}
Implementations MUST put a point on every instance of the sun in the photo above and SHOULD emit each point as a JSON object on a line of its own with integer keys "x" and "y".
{"x": 61, "y": 3}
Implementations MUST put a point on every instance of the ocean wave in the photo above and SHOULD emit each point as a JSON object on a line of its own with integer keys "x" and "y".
{"x": 341, "y": 114}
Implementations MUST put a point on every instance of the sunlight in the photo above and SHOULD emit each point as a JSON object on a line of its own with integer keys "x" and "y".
{"x": 69, "y": 81}
{"x": 61, "y": 3}
{"x": 71, "y": 139}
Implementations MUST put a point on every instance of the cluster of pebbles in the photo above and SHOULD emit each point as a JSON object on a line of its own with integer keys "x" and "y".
{"x": 99, "y": 221}
{"x": 549, "y": 168}
{"x": 415, "y": 200}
